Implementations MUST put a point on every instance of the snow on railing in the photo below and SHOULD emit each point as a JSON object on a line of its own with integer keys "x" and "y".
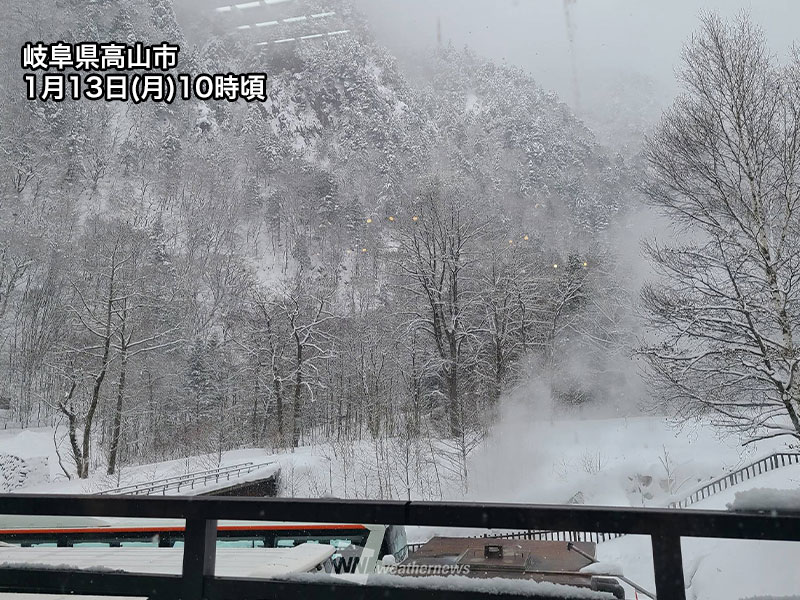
{"x": 666, "y": 529}
{"x": 764, "y": 465}
{"x": 188, "y": 480}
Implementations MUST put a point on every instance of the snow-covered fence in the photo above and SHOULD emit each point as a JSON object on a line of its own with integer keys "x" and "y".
{"x": 764, "y": 465}
{"x": 189, "y": 480}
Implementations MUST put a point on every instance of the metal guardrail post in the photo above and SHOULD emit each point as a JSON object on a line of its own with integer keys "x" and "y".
{"x": 199, "y": 557}
{"x": 189, "y": 479}
{"x": 759, "y": 467}
{"x": 668, "y": 564}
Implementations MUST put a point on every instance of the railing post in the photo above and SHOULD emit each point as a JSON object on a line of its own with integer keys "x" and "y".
{"x": 668, "y": 565}
{"x": 199, "y": 556}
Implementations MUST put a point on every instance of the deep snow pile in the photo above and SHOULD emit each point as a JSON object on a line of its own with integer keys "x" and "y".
{"x": 767, "y": 499}
{"x": 26, "y": 458}
{"x": 16, "y": 472}
{"x": 715, "y": 569}
{"x": 34, "y": 448}
{"x": 628, "y": 461}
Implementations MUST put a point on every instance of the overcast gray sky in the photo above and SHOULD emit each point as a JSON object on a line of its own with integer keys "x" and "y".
{"x": 642, "y": 36}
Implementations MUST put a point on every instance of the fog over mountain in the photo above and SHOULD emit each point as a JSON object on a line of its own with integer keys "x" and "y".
{"x": 602, "y": 58}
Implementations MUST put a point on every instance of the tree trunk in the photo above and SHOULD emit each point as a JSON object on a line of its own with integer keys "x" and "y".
{"x": 452, "y": 400}
{"x": 254, "y": 418}
{"x": 65, "y": 408}
{"x": 298, "y": 385}
{"x": 98, "y": 380}
{"x": 278, "y": 388}
{"x": 117, "y": 429}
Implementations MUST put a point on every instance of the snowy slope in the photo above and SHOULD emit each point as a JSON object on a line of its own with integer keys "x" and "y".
{"x": 606, "y": 461}
{"x": 631, "y": 461}
{"x": 36, "y": 447}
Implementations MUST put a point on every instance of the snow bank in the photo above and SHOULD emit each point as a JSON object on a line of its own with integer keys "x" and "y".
{"x": 491, "y": 586}
{"x": 734, "y": 569}
{"x": 761, "y": 499}
{"x": 16, "y": 472}
{"x": 603, "y": 568}
{"x": 633, "y": 461}
{"x": 133, "y": 474}
{"x": 715, "y": 569}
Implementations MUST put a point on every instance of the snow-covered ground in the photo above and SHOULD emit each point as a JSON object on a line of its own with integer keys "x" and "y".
{"x": 35, "y": 448}
{"x": 722, "y": 569}
{"x": 633, "y": 461}
{"x": 715, "y": 569}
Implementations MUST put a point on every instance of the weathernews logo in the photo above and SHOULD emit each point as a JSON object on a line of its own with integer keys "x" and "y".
{"x": 413, "y": 568}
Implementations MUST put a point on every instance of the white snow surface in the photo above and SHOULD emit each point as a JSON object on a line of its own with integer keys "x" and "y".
{"x": 603, "y": 568}
{"x": 491, "y": 585}
{"x": 767, "y": 499}
{"x": 16, "y": 472}
{"x": 251, "y": 562}
{"x": 609, "y": 461}
{"x": 715, "y": 569}
{"x": 35, "y": 446}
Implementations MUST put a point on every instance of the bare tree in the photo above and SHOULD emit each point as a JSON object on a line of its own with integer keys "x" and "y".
{"x": 306, "y": 313}
{"x": 92, "y": 309}
{"x": 438, "y": 249}
{"x": 725, "y": 309}
{"x": 144, "y": 326}
{"x": 522, "y": 303}
{"x": 291, "y": 339}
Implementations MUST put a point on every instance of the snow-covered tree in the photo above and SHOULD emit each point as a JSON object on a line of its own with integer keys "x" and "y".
{"x": 725, "y": 167}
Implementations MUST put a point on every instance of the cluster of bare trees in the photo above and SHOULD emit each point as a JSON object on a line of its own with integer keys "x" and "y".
{"x": 423, "y": 346}
{"x": 725, "y": 168}
{"x": 186, "y": 279}
{"x": 143, "y": 349}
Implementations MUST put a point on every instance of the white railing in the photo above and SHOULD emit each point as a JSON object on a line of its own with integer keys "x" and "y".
{"x": 189, "y": 480}
{"x": 763, "y": 465}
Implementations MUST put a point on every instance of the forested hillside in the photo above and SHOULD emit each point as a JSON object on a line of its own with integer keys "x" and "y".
{"x": 365, "y": 255}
